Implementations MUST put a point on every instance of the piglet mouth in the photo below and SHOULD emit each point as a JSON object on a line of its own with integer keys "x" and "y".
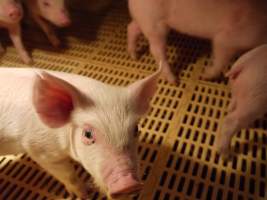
{"x": 124, "y": 185}
{"x": 64, "y": 23}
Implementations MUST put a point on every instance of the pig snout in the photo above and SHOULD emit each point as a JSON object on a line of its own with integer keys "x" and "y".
{"x": 121, "y": 179}
{"x": 64, "y": 19}
{"x": 14, "y": 13}
{"x": 126, "y": 184}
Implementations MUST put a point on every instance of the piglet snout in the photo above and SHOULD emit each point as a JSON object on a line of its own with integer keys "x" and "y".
{"x": 64, "y": 19}
{"x": 125, "y": 185}
{"x": 14, "y": 13}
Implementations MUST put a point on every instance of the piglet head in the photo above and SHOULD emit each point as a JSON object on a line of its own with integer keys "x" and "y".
{"x": 103, "y": 120}
{"x": 55, "y": 12}
{"x": 11, "y": 11}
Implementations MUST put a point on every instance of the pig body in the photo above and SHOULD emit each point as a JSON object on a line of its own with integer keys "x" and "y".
{"x": 249, "y": 95}
{"x": 11, "y": 14}
{"x": 45, "y": 12}
{"x": 56, "y": 117}
{"x": 232, "y": 26}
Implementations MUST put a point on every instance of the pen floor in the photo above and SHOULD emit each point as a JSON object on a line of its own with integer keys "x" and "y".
{"x": 178, "y": 158}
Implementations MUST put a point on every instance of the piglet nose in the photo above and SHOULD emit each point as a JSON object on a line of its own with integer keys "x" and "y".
{"x": 125, "y": 185}
{"x": 64, "y": 18}
{"x": 14, "y": 13}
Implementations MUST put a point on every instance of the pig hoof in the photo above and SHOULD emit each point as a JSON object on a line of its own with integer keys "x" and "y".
{"x": 170, "y": 77}
{"x": 172, "y": 80}
{"x": 223, "y": 150}
{"x": 26, "y": 59}
{"x": 222, "y": 146}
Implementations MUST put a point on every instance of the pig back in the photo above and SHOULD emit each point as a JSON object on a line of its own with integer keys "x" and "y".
{"x": 17, "y": 117}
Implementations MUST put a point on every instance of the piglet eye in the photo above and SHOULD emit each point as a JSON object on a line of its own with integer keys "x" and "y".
{"x": 88, "y": 137}
{"x": 88, "y": 134}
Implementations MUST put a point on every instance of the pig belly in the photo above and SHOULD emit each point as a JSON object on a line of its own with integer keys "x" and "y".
{"x": 192, "y": 21}
{"x": 206, "y": 18}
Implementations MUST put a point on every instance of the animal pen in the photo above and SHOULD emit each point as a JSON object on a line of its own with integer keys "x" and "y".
{"x": 176, "y": 138}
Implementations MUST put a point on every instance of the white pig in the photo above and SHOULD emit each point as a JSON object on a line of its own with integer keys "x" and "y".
{"x": 44, "y": 12}
{"x": 11, "y": 13}
{"x": 249, "y": 95}
{"x": 56, "y": 117}
{"x": 233, "y": 26}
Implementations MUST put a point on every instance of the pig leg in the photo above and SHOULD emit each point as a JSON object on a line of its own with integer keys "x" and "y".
{"x": 51, "y": 35}
{"x": 63, "y": 171}
{"x": 222, "y": 57}
{"x": 229, "y": 128}
{"x": 2, "y": 50}
{"x": 133, "y": 32}
{"x": 232, "y": 105}
{"x": 15, "y": 35}
{"x": 234, "y": 71}
{"x": 157, "y": 42}
{"x": 240, "y": 118}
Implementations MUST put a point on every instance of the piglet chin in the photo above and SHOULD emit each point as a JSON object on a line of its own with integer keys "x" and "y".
{"x": 125, "y": 185}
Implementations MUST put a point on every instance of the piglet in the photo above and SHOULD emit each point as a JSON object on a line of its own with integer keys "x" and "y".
{"x": 232, "y": 26}
{"x": 57, "y": 117}
{"x": 44, "y": 12}
{"x": 249, "y": 95}
{"x": 11, "y": 13}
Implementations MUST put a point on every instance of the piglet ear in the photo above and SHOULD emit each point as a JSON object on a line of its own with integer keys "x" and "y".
{"x": 54, "y": 99}
{"x": 143, "y": 90}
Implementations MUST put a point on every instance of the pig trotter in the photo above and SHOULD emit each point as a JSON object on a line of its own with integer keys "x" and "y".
{"x": 15, "y": 35}
{"x": 51, "y": 35}
{"x": 229, "y": 127}
{"x": 167, "y": 73}
{"x": 158, "y": 49}
{"x": 232, "y": 105}
{"x": 26, "y": 58}
{"x": 133, "y": 33}
{"x": 222, "y": 56}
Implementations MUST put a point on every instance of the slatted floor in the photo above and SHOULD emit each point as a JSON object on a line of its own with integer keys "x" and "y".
{"x": 176, "y": 148}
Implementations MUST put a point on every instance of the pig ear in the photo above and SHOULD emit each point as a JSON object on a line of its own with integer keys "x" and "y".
{"x": 143, "y": 90}
{"x": 54, "y": 99}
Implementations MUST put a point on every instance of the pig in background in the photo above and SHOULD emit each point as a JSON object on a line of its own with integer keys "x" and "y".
{"x": 11, "y": 14}
{"x": 249, "y": 95}
{"x": 232, "y": 26}
{"x": 58, "y": 117}
{"x": 47, "y": 13}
